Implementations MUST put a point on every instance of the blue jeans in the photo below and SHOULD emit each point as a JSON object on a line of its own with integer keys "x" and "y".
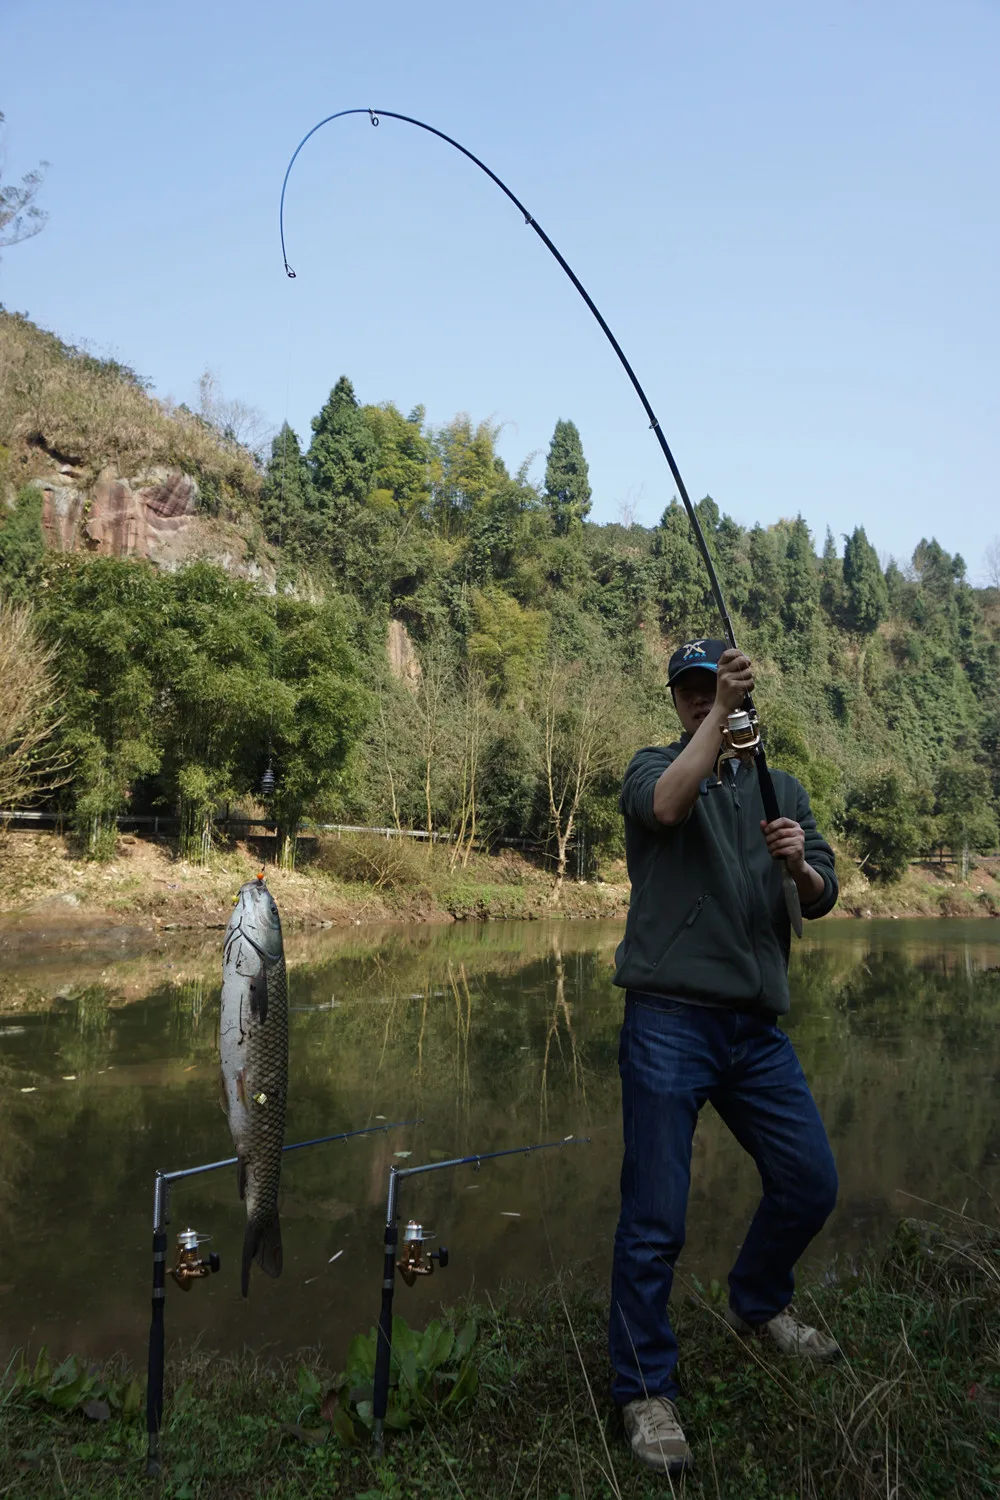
{"x": 672, "y": 1058}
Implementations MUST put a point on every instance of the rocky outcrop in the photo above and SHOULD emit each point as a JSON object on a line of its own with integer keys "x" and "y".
{"x": 404, "y": 664}
{"x": 140, "y": 517}
{"x": 152, "y": 515}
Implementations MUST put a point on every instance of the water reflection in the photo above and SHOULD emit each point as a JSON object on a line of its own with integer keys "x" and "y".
{"x": 496, "y": 1035}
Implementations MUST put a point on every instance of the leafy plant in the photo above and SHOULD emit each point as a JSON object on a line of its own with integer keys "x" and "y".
{"x": 73, "y": 1386}
{"x": 429, "y": 1372}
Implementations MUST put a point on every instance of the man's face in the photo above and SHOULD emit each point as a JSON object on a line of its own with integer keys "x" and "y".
{"x": 694, "y": 696}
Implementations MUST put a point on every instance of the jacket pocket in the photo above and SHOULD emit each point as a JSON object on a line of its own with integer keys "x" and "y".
{"x": 707, "y": 959}
{"x": 685, "y": 927}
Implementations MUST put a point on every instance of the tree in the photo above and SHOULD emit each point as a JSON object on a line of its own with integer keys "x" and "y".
{"x": 467, "y": 473}
{"x": 567, "y": 482}
{"x": 317, "y": 716}
{"x": 867, "y": 599}
{"x": 30, "y": 705}
{"x": 992, "y": 557}
{"x": 105, "y": 616}
{"x": 964, "y": 815}
{"x": 507, "y": 640}
{"x": 215, "y": 666}
{"x": 685, "y": 598}
{"x": 473, "y": 714}
{"x": 881, "y": 819}
{"x": 20, "y": 217}
{"x": 767, "y": 594}
{"x": 581, "y": 735}
{"x": 285, "y": 499}
{"x": 801, "y": 579}
{"x": 831, "y": 580}
{"x": 403, "y": 470}
{"x": 237, "y": 424}
{"x": 343, "y": 455}
{"x": 433, "y": 727}
{"x": 22, "y": 545}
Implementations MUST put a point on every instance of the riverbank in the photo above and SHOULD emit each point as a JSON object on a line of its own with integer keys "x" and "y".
{"x": 912, "y": 1410}
{"x": 49, "y": 895}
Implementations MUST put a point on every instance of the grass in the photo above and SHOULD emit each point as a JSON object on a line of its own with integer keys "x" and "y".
{"x": 62, "y": 404}
{"x": 912, "y": 1411}
{"x": 383, "y": 882}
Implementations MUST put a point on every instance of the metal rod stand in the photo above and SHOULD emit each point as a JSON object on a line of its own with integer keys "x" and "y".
{"x": 161, "y": 1218}
{"x": 383, "y": 1347}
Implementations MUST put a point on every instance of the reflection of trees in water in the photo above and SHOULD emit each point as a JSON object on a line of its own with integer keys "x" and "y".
{"x": 194, "y": 1000}
{"x": 460, "y": 1027}
{"x": 463, "y": 1029}
{"x": 561, "y": 1014}
{"x": 15, "y": 1158}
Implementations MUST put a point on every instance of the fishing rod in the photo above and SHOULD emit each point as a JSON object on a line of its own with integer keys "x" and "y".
{"x": 414, "y": 1262}
{"x": 741, "y": 737}
{"x": 191, "y": 1267}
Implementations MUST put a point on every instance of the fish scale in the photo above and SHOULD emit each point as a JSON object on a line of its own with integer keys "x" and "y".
{"x": 253, "y": 1054}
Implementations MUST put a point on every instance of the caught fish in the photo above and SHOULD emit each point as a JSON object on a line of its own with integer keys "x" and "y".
{"x": 253, "y": 1055}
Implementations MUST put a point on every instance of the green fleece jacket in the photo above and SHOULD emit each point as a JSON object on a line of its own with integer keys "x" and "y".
{"x": 707, "y": 920}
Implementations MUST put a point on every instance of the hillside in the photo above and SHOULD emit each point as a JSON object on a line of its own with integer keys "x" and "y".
{"x": 408, "y": 634}
{"x": 118, "y": 472}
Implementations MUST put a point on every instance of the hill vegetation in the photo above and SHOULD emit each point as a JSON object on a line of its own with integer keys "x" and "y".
{"x": 529, "y": 644}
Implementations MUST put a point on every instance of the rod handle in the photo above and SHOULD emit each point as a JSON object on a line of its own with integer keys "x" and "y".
{"x": 767, "y": 793}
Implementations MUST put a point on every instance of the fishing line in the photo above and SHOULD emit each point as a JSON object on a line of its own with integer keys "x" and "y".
{"x": 267, "y": 780}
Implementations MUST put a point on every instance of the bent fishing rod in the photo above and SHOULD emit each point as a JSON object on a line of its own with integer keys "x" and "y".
{"x": 742, "y": 736}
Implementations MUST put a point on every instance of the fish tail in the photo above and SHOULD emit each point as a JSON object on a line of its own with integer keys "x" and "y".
{"x": 261, "y": 1243}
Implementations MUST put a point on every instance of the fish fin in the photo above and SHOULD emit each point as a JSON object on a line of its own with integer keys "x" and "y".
{"x": 241, "y": 1086}
{"x": 258, "y": 994}
{"x": 241, "y": 1177}
{"x": 261, "y": 1243}
{"x": 223, "y": 1095}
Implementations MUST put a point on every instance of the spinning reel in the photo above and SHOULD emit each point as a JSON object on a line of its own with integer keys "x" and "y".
{"x": 740, "y": 738}
{"x": 190, "y": 1266}
{"x": 414, "y": 1261}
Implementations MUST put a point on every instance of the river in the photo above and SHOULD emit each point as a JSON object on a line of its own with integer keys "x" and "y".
{"x": 494, "y": 1035}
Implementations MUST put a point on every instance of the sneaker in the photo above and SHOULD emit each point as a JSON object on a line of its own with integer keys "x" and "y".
{"x": 791, "y": 1336}
{"x": 656, "y": 1436}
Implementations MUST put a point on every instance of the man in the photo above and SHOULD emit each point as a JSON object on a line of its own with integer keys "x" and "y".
{"x": 704, "y": 965}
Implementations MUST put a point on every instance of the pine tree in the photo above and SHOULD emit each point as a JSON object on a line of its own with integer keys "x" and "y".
{"x": 867, "y": 599}
{"x": 684, "y": 594}
{"x": 831, "y": 575}
{"x": 343, "y": 454}
{"x": 766, "y": 563}
{"x": 801, "y": 579}
{"x": 285, "y": 494}
{"x": 567, "y": 482}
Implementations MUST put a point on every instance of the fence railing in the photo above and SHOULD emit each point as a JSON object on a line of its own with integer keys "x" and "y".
{"x": 164, "y": 823}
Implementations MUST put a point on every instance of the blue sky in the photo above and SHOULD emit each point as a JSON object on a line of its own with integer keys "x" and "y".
{"x": 788, "y": 213}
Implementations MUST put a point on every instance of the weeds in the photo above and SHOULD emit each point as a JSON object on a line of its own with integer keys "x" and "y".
{"x": 61, "y": 405}
{"x": 912, "y": 1413}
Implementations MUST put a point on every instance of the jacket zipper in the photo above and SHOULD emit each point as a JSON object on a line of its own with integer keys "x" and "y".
{"x": 745, "y": 875}
{"x": 694, "y": 915}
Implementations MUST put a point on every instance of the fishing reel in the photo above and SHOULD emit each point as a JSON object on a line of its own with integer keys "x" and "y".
{"x": 740, "y": 738}
{"x": 190, "y": 1266}
{"x": 414, "y": 1261}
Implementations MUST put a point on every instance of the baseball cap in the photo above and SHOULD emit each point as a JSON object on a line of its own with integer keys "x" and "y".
{"x": 700, "y": 653}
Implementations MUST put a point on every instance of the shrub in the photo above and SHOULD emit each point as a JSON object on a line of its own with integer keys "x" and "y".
{"x": 390, "y": 864}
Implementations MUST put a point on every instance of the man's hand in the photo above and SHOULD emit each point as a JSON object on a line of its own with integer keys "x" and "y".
{"x": 785, "y": 840}
{"x": 735, "y": 680}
